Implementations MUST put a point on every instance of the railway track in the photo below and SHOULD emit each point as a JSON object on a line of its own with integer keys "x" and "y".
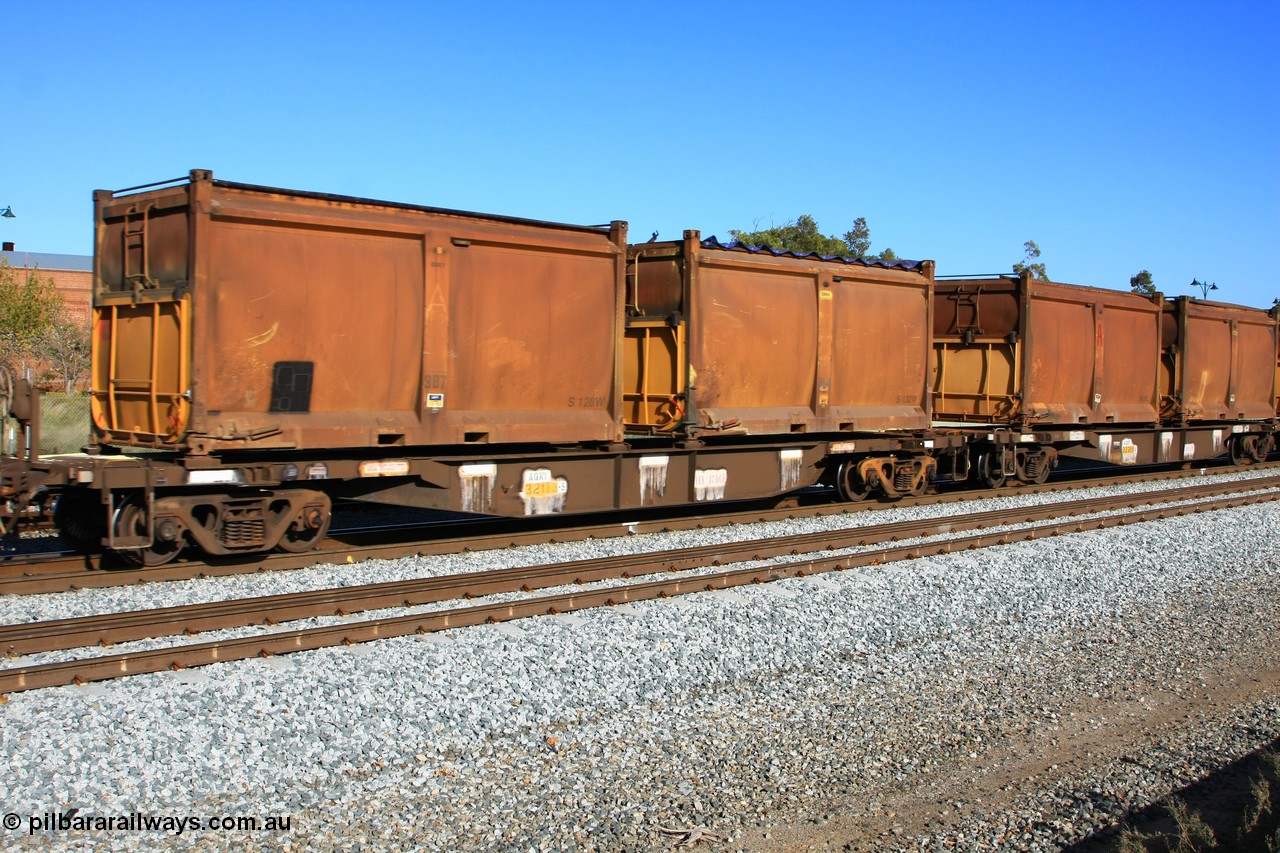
{"x": 794, "y": 556}
{"x": 30, "y": 574}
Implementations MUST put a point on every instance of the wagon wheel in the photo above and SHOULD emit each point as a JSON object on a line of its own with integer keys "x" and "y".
{"x": 989, "y": 470}
{"x": 131, "y": 520}
{"x": 306, "y": 532}
{"x": 1034, "y": 469}
{"x": 1240, "y": 449}
{"x": 80, "y": 519}
{"x": 909, "y": 481}
{"x": 849, "y": 483}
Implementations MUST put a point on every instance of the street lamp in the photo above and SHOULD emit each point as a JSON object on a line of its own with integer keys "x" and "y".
{"x": 1204, "y": 286}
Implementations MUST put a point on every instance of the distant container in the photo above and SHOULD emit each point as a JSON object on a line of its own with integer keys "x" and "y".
{"x": 1020, "y": 351}
{"x": 229, "y": 316}
{"x": 723, "y": 339}
{"x": 1212, "y": 369}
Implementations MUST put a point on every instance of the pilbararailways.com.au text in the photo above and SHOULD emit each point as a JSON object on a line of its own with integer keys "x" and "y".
{"x": 73, "y": 820}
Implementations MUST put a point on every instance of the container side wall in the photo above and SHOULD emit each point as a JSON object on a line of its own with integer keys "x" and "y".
{"x": 785, "y": 345}
{"x": 1130, "y": 365}
{"x": 1059, "y": 362}
{"x": 1254, "y": 388}
{"x": 881, "y": 361}
{"x": 1092, "y": 355}
{"x": 755, "y": 346}
{"x": 532, "y": 330}
{"x": 344, "y": 308}
{"x": 1206, "y": 368}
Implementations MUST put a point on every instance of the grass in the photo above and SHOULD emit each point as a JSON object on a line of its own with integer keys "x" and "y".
{"x": 1244, "y": 827}
{"x": 64, "y": 423}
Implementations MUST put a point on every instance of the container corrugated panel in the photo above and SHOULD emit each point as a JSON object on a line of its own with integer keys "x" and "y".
{"x": 1025, "y": 351}
{"x": 1218, "y": 360}
{"x": 320, "y": 322}
{"x": 781, "y": 344}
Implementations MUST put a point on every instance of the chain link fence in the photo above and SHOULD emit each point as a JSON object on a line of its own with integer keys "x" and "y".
{"x": 64, "y": 424}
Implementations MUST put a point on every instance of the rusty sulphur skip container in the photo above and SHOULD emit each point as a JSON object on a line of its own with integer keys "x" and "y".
{"x": 1217, "y": 360}
{"x": 229, "y": 316}
{"x": 724, "y": 339}
{"x": 1013, "y": 350}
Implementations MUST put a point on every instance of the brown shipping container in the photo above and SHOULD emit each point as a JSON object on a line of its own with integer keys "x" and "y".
{"x": 774, "y": 344}
{"x": 1217, "y": 361}
{"x": 1017, "y": 350}
{"x": 230, "y": 316}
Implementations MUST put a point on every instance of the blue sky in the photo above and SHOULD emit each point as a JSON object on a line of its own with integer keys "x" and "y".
{"x": 1118, "y": 136}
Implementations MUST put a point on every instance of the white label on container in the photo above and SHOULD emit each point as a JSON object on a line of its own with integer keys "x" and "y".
{"x": 653, "y": 476}
{"x": 477, "y": 481}
{"x": 790, "y": 461}
{"x": 709, "y": 484}
{"x": 542, "y": 492}
{"x": 384, "y": 468}
{"x": 1128, "y": 452}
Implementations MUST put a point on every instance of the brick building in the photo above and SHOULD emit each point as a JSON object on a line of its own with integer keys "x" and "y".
{"x": 72, "y": 275}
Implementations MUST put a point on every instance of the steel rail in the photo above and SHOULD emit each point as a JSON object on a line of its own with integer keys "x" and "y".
{"x": 71, "y": 573}
{"x": 111, "y": 628}
{"x": 111, "y": 666}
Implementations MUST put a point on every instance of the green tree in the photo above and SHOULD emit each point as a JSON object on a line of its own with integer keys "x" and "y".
{"x": 1029, "y": 264}
{"x": 1143, "y": 283}
{"x": 29, "y": 307}
{"x": 858, "y": 238}
{"x": 66, "y": 346}
{"x": 803, "y": 235}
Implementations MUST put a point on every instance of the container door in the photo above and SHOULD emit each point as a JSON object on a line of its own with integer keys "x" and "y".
{"x": 141, "y": 372}
{"x": 141, "y": 369}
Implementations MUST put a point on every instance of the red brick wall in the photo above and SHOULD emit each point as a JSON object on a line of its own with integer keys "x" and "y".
{"x": 76, "y": 287}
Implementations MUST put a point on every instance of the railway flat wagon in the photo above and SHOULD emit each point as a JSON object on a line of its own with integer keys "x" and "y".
{"x": 1051, "y": 368}
{"x": 1014, "y": 350}
{"x": 259, "y": 353}
{"x": 1057, "y": 369}
{"x": 275, "y": 349}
